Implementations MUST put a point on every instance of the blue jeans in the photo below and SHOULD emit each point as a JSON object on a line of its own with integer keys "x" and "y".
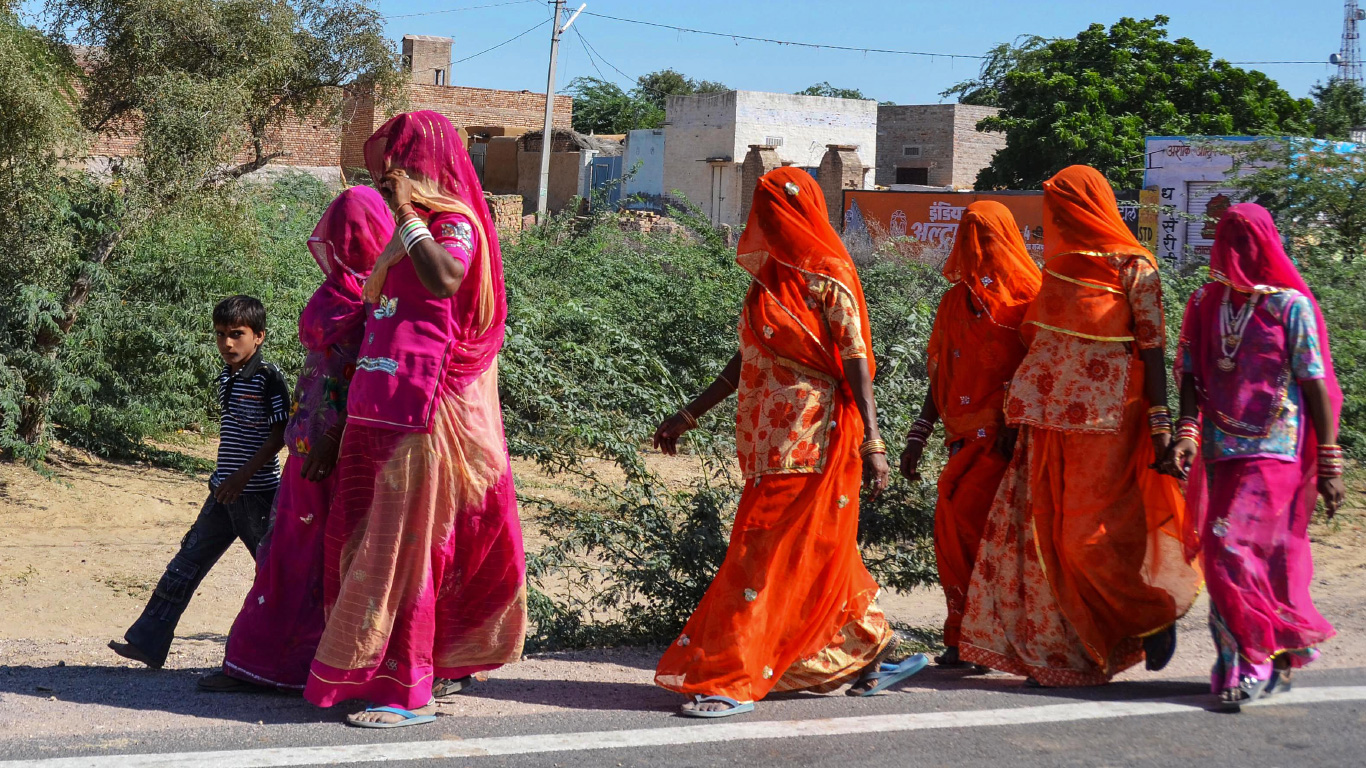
{"x": 217, "y": 526}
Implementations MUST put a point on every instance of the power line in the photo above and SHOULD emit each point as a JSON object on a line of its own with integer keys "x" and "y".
{"x": 851, "y": 48}
{"x": 457, "y": 10}
{"x": 521, "y": 34}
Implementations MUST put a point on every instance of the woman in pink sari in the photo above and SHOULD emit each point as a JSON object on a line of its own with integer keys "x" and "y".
{"x": 276, "y": 633}
{"x": 1258, "y": 391}
{"x": 425, "y": 575}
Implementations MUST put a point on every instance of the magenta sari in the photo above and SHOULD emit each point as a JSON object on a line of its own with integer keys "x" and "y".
{"x": 276, "y": 633}
{"x": 425, "y": 573}
{"x": 1253, "y": 489}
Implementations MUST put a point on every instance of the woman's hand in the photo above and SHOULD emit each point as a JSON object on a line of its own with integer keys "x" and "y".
{"x": 910, "y": 460}
{"x": 1177, "y": 462}
{"x": 876, "y": 473}
{"x": 1333, "y": 492}
{"x": 374, "y": 284}
{"x": 1161, "y": 443}
{"x": 668, "y": 432}
{"x": 321, "y": 460}
{"x": 396, "y": 188}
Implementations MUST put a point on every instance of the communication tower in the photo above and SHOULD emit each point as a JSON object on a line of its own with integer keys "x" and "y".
{"x": 1348, "y": 57}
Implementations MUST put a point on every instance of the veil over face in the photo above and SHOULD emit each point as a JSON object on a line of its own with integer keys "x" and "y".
{"x": 346, "y": 242}
{"x": 990, "y": 258}
{"x": 1081, "y": 215}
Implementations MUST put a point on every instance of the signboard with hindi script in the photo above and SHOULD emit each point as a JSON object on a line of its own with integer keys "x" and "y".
{"x": 932, "y": 218}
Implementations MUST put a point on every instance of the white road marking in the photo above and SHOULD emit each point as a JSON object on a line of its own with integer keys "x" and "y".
{"x": 694, "y": 734}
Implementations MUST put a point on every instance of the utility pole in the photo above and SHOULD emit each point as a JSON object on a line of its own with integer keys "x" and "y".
{"x": 547, "y": 135}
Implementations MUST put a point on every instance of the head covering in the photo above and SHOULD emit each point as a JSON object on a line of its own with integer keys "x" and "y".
{"x": 990, "y": 258}
{"x": 788, "y": 235}
{"x": 1081, "y": 215}
{"x": 1248, "y": 256}
{"x": 349, "y": 237}
{"x": 428, "y": 149}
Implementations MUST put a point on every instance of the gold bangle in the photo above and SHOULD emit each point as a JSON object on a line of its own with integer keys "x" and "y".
{"x": 871, "y": 447}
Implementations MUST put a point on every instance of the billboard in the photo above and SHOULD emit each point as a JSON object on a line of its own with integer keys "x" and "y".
{"x": 933, "y": 217}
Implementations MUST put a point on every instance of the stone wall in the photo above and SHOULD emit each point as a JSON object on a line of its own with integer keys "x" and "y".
{"x": 840, "y": 169}
{"x": 973, "y": 149}
{"x": 506, "y": 211}
{"x": 424, "y": 56}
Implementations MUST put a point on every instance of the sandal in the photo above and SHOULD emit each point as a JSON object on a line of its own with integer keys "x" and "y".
{"x": 734, "y": 707}
{"x": 219, "y": 682}
{"x": 950, "y": 659}
{"x": 1249, "y": 690}
{"x": 891, "y": 674}
{"x": 409, "y": 718}
{"x": 446, "y": 688}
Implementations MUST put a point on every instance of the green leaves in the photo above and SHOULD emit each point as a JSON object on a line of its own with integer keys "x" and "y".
{"x": 601, "y": 106}
{"x": 1093, "y": 99}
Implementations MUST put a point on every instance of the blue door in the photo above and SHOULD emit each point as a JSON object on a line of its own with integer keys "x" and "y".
{"x": 606, "y": 181}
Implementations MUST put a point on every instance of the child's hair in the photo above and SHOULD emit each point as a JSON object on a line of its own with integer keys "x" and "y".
{"x": 241, "y": 310}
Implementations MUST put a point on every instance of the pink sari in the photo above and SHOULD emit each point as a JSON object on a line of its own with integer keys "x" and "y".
{"x": 276, "y": 633}
{"x": 1251, "y": 499}
{"x": 425, "y": 573}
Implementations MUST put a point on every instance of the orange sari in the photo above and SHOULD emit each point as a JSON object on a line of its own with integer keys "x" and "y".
{"x": 1081, "y": 556}
{"x": 974, "y": 349}
{"x": 792, "y": 606}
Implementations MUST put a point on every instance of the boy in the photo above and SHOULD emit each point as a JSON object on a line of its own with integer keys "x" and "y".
{"x": 254, "y": 399}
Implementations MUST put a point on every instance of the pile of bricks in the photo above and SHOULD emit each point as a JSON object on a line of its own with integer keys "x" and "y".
{"x": 506, "y": 211}
{"x": 646, "y": 222}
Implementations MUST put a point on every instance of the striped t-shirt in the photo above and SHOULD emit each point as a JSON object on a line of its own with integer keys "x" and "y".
{"x": 253, "y": 401}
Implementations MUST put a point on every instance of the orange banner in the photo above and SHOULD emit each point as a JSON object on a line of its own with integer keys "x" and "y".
{"x": 933, "y": 217}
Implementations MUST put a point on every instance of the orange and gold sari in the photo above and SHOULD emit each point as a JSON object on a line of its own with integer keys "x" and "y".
{"x": 1081, "y": 556}
{"x": 792, "y": 606}
{"x": 974, "y": 349}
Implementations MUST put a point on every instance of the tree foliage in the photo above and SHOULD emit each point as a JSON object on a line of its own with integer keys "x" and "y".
{"x": 1339, "y": 107}
{"x": 601, "y": 106}
{"x": 1026, "y": 54}
{"x": 204, "y": 85}
{"x": 826, "y": 89}
{"x": 1092, "y": 99}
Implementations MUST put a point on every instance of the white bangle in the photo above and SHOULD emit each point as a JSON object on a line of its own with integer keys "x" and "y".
{"x": 414, "y": 235}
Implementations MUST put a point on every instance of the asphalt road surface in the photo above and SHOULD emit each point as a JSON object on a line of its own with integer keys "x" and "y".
{"x": 937, "y": 718}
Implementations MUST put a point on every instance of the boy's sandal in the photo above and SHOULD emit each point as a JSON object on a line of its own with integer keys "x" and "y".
{"x": 446, "y": 687}
{"x": 409, "y": 718}
{"x": 131, "y": 652}
{"x": 734, "y": 707}
{"x": 891, "y": 674}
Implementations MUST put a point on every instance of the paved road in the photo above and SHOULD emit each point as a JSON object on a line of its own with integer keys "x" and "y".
{"x": 937, "y": 719}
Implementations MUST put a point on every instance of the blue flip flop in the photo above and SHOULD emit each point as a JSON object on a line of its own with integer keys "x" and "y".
{"x": 889, "y": 675}
{"x": 409, "y": 718}
{"x": 736, "y": 707}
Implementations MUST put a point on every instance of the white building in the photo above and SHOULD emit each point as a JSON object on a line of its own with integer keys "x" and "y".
{"x": 707, "y": 136}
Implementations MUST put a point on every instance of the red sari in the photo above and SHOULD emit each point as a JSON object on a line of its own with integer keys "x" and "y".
{"x": 793, "y": 606}
{"x": 974, "y": 349}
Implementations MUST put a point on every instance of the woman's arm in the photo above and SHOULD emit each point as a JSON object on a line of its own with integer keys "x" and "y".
{"x": 876, "y": 472}
{"x": 438, "y": 272}
{"x": 1320, "y": 410}
{"x": 672, "y": 428}
{"x": 1182, "y": 453}
{"x": 915, "y": 449}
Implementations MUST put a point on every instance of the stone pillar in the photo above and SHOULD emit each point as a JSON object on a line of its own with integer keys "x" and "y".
{"x": 840, "y": 169}
{"x": 760, "y": 159}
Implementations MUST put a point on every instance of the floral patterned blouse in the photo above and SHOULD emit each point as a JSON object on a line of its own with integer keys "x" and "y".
{"x": 320, "y": 396}
{"x": 1073, "y": 384}
{"x": 785, "y": 411}
{"x": 1282, "y": 440}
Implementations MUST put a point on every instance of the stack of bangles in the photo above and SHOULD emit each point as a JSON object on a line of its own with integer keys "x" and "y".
{"x": 1331, "y": 461}
{"x": 872, "y": 447}
{"x": 1160, "y": 420}
{"x": 688, "y": 418}
{"x": 920, "y": 431}
{"x": 1188, "y": 428}
{"x": 413, "y": 230}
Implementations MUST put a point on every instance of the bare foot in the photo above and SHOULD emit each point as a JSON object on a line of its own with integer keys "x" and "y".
{"x": 389, "y": 718}
{"x": 707, "y": 706}
{"x": 866, "y": 681}
{"x": 129, "y": 651}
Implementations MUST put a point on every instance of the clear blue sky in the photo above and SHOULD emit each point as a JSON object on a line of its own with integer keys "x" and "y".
{"x": 1252, "y": 30}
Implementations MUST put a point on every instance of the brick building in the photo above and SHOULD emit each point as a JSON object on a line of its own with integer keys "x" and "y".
{"x": 328, "y": 150}
{"x": 933, "y": 144}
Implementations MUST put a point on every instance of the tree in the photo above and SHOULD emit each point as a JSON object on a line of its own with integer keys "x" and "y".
{"x": 1339, "y": 106}
{"x": 1093, "y": 99}
{"x": 1026, "y": 54}
{"x": 603, "y": 107}
{"x": 656, "y": 87}
{"x": 203, "y": 84}
{"x": 830, "y": 91}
